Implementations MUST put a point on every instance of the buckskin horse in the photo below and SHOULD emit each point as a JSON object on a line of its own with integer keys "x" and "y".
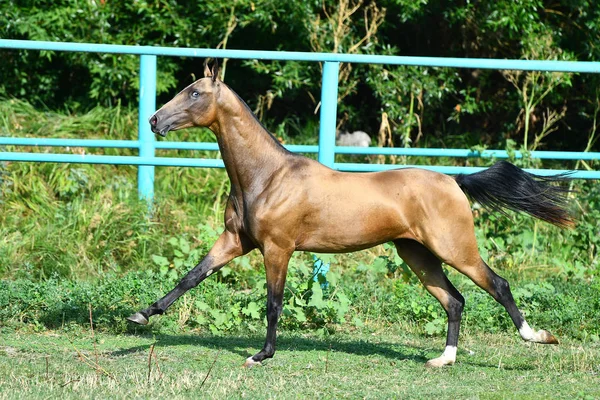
{"x": 282, "y": 202}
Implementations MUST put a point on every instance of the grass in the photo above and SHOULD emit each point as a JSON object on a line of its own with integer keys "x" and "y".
{"x": 387, "y": 363}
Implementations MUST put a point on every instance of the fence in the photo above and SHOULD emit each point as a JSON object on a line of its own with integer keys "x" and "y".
{"x": 326, "y": 148}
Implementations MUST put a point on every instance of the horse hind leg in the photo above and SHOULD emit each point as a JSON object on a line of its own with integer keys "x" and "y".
{"x": 428, "y": 269}
{"x": 499, "y": 289}
{"x": 466, "y": 259}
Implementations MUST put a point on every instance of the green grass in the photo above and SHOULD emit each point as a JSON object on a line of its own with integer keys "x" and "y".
{"x": 386, "y": 363}
{"x": 381, "y": 356}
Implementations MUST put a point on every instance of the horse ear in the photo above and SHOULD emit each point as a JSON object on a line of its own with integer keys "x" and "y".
{"x": 215, "y": 70}
{"x": 207, "y": 72}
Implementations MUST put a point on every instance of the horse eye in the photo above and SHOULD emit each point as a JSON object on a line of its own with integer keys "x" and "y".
{"x": 195, "y": 94}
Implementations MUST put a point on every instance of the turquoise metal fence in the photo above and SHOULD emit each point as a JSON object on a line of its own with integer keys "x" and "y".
{"x": 326, "y": 149}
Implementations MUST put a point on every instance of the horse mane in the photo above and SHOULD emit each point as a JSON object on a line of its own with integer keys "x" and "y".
{"x": 278, "y": 144}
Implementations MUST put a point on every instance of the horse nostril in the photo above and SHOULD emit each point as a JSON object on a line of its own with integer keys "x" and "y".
{"x": 153, "y": 120}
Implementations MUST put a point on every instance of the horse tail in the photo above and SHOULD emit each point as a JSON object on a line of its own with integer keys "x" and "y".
{"x": 505, "y": 186}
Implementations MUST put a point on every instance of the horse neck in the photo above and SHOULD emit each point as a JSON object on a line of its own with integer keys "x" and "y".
{"x": 250, "y": 153}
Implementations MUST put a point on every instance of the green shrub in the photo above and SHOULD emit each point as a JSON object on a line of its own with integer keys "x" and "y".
{"x": 569, "y": 309}
{"x": 416, "y": 106}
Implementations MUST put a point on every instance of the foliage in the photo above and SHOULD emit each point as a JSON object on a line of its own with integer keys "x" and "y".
{"x": 402, "y": 106}
{"x": 108, "y": 78}
{"x": 77, "y": 220}
{"x": 309, "y": 302}
{"x": 569, "y": 308}
{"x": 407, "y": 97}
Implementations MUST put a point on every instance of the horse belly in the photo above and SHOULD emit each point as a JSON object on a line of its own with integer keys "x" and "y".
{"x": 353, "y": 227}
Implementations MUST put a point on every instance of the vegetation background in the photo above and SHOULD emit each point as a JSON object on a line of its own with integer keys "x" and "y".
{"x": 75, "y": 235}
{"x": 416, "y": 106}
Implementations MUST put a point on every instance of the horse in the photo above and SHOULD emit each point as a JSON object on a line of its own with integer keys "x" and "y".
{"x": 281, "y": 202}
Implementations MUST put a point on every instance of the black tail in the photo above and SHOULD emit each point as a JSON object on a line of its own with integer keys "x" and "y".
{"x": 505, "y": 186}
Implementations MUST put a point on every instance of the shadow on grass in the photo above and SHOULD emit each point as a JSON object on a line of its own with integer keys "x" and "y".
{"x": 76, "y": 311}
{"x": 243, "y": 345}
{"x": 248, "y": 345}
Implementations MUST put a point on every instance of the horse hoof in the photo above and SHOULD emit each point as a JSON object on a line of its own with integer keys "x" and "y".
{"x": 138, "y": 318}
{"x": 251, "y": 363}
{"x": 546, "y": 337}
{"x": 438, "y": 362}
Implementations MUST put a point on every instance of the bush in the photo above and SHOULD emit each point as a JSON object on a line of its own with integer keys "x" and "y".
{"x": 407, "y": 106}
{"x": 567, "y": 308}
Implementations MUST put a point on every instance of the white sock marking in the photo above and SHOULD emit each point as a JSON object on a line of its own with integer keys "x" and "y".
{"x": 449, "y": 353}
{"x": 527, "y": 333}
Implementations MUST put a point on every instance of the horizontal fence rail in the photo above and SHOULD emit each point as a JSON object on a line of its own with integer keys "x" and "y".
{"x": 392, "y": 151}
{"x": 485, "y": 63}
{"x": 326, "y": 149}
{"x": 216, "y": 163}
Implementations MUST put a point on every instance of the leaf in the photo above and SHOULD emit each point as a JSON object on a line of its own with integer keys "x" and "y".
{"x": 242, "y": 263}
{"x": 184, "y": 245}
{"x": 342, "y": 305}
{"x": 333, "y": 278}
{"x": 327, "y": 258}
{"x": 316, "y": 299}
{"x": 300, "y": 301}
{"x": 299, "y": 314}
{"x": 234, "y": 312}
{"x": 432, "y": 328}
{"x": 343, "y": 299}
{"x": 164, "y": 270}
{"x": 214, "y": 330}
{"x": 380, "y": 265}
{"x": 219, "y": 317}
{"x": 251, "y": 310}
{"x": 160, "y": 260}
{"x": 225, "y": 271}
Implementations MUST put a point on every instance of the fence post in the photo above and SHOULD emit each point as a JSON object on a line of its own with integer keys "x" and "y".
{"x": 329, "y": 95}
{"x": 145, "y": 136}
{"x": 328, "y": 121}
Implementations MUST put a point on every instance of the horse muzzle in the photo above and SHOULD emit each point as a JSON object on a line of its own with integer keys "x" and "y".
{"x": 162, "y": 131}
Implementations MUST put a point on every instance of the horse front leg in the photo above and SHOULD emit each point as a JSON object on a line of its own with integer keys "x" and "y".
{"x": 227, "y": 247}
{"x": 276, "y": 265}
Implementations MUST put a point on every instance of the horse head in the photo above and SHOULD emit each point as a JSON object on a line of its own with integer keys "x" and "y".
{"x": 196, "y": 105}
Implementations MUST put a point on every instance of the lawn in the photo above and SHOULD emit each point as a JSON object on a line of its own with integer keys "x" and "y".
{"x": 384, "y": 363}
